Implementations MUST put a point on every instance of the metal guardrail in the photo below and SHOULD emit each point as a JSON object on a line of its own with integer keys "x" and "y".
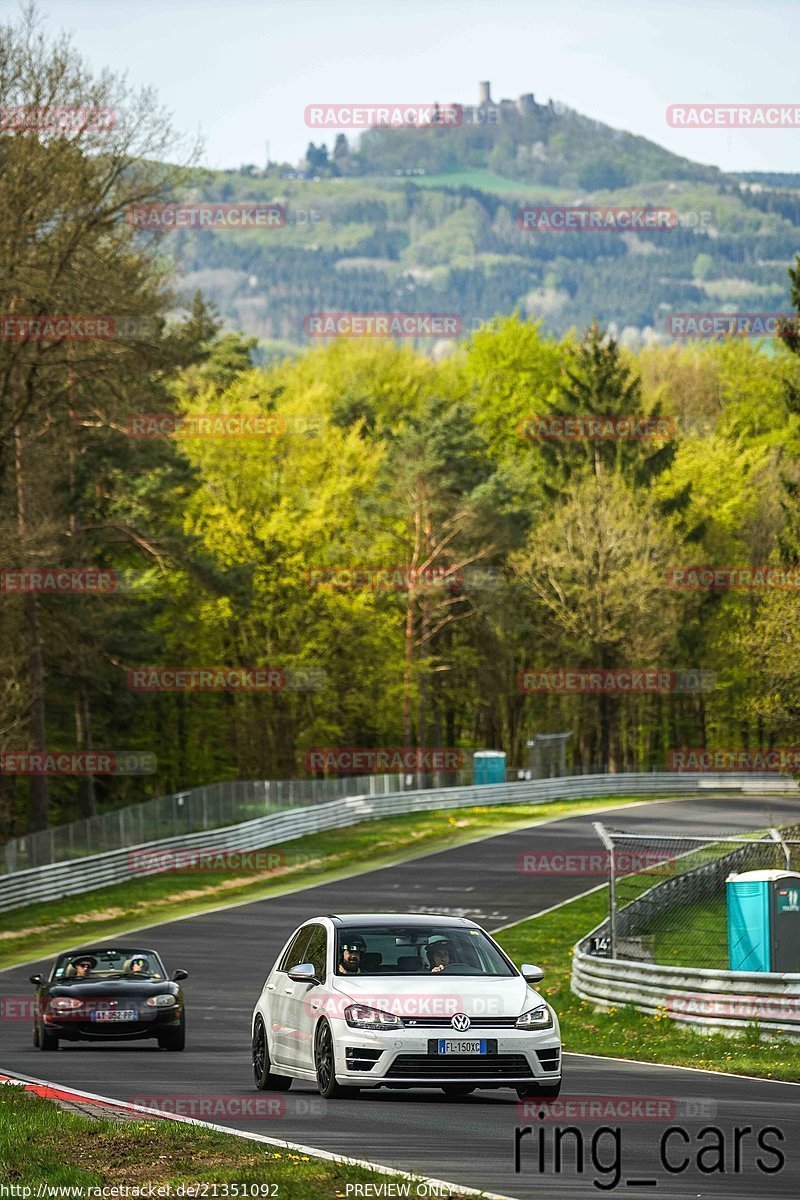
{"x": 710, "y": 999}
{"x": 706, "y": 999}
{"x": 212, "y": 806}
{"x": 96, "y": 871}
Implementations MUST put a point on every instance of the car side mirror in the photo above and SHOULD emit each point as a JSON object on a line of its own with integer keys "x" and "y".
{"x": 179, "y": 975}
{"x": 304, "y": 973}
{"x": 531, "y": 974}
{"x": 37, "y": 979}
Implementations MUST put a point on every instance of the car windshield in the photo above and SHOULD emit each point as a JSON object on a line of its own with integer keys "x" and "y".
{"x": 108, "y": 964}
{"x": 423, "y": 950}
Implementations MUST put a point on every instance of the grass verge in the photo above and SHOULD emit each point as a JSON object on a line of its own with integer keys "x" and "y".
{"x": 695, "y": 935}
{"x": 623, "y": 1032}
{"x": 42, "y": 929}
{"x": 42, "y": 1143}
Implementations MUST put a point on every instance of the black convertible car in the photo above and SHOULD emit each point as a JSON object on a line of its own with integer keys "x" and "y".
{"x": 109, "y": 995}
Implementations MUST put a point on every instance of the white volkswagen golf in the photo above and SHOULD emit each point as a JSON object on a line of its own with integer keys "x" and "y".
{"x": 385, "y": 1000}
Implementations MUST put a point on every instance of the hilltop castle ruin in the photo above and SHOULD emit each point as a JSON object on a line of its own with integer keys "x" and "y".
{"x": 487, "y": 112}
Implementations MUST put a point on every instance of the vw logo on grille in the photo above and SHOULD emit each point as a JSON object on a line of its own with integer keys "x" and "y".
{"x": 460, "y": 1022}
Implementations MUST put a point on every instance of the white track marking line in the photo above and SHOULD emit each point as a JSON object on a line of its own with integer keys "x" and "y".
{"x": 457, "y": 1188}
{"x": 675, "y": 1067}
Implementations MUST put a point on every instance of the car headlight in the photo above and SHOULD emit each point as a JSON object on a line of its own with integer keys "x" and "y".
{"x": 536, "y": 1018}
{"x": 64, "y": 1004}
{"x": 359, "y": 1016}
{"x": 164, "y": 1001}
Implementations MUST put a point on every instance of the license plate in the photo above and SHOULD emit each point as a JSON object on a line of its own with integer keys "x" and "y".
{"x": 123, "y": 1014}
{"x": 444, "y": 1046}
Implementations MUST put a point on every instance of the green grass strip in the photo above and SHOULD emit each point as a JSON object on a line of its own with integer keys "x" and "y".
{"x": 41, "y": 1143}
{"x": 623, "y": 1032}
{"x": 45, "y": 928}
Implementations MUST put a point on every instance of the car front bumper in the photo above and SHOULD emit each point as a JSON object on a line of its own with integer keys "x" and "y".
{"x": 147, "y": 1025}
{"x": 405, "y": 1057}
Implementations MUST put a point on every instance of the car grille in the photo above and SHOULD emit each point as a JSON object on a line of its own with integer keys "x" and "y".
{"x": 360, "y": 1059}
{"x": 469, "y": 1066}
{"x": 446, "y": 1022}
{"x": 550, "y": 1058}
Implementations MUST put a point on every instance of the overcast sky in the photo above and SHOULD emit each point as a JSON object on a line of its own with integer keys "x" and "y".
{"x": 241, "y": 72}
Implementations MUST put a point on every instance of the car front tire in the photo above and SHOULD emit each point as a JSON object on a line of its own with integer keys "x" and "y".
{"x": 47, "y": 1041}
{"x": 173, "y": 1039}
{"x": 324, "y": 1064}
{"x": 264, "y": 1079}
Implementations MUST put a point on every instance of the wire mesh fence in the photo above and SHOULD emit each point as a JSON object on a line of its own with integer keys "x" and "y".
{"x": 196, "y": 810}
{"x": 667, "y": 893}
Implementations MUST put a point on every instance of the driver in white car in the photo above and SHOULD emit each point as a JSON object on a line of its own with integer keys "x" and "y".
{"x": 438, "y": 949}
{"x": 351, "y": 949}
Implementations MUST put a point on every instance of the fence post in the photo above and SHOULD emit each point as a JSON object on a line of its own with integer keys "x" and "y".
{"x": 608, "y": 842}
{"x": 787, "y": 854}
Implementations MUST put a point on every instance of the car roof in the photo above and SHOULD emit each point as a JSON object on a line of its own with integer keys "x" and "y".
{"x": 395, "y": 918}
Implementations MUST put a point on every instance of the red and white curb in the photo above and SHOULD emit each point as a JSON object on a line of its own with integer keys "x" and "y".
{"x": 54, "y": 1091}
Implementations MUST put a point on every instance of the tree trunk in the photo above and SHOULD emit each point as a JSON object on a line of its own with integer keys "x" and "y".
{"x": 39, "y": 795}
{"x": 87, "y": 789}
{"x": 408, "y": 671}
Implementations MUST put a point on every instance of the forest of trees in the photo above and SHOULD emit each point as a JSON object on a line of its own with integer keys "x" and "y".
{"x": 375, "y": 456}
{"x": 381, "y": 245}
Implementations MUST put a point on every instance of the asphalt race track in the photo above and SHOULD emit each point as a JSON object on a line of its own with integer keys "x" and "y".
{"x": 471, "y": 1140}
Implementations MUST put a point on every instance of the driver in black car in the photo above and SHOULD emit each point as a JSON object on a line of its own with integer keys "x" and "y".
{"x": 351, "y": 949}
{"x": 83, "y": 966}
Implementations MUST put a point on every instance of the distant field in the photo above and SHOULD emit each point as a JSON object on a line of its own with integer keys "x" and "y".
{"x": 484, "y": 181}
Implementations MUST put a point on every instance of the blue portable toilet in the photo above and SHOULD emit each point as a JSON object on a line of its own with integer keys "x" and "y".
{"x": 489, "y": 766}
{"x": 764, "y": 921}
